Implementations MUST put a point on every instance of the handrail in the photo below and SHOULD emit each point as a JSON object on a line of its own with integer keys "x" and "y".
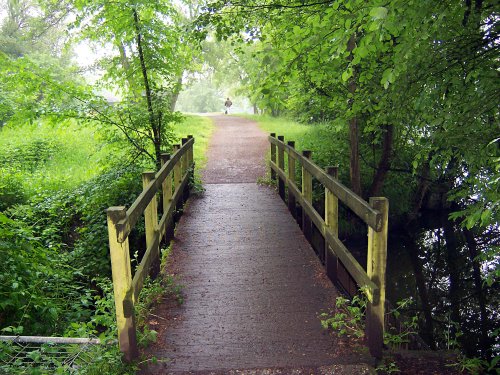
{"x": 172, "y": 180}
{"x": 359, "y": 206}
{"x": 373, "y": 213}
{"x": 137, "y": 208}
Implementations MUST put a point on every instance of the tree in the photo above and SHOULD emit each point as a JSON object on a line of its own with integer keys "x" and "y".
{"x": 413, "y": 88}
{"x": 151, "y": 51}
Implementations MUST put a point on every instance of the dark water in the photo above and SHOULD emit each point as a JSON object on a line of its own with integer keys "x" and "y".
{"x": 431, "y": 262}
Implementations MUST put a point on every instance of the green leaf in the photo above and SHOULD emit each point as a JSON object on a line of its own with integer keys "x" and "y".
{"x": 379, "y": 13}
{"x": 346, "y": 75}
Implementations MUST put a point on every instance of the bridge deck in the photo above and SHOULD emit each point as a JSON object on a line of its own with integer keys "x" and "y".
{"x": 253, "y": 287}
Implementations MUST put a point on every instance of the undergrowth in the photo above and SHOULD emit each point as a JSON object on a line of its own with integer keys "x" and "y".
{"x": 55, "y": 278}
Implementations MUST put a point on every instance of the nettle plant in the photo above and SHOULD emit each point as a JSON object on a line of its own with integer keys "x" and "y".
{"x": 348, "y": 319}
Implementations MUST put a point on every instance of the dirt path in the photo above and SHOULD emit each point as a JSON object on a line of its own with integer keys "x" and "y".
{"x": 253, "y": 287}
{"x": 236, "y": 152}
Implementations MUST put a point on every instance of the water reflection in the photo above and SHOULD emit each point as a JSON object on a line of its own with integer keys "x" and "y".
{"x": 434, "y": 262}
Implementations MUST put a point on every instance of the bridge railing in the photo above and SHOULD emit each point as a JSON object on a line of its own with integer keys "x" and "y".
{"x": 172, "y": 180}
{"x": 336, "y": 256}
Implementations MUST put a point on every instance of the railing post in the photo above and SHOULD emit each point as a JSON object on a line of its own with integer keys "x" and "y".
{"x": 122, "y": 286}
{"x": 185, "y": 157}
{"x": 375, "y": 268}
{"x": 185, "y": 168}
{"x": 307, "y": 194}
{"x": 281, "y": 165}
{"x": 191, "y": 157}
{"x": 177, "y": 169}
{"x": 177, "y": 183}
{"x": 273, "y": 157}
{"x": 291, "y": 177}
{"x": 166, "y": 184}
{"x": 167, "y": 198}
{"x": 332, "y": 222}
{"x": 151, "y": 225}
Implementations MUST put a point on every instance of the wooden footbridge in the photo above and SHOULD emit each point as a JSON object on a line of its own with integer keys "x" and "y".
{"x": 253, "y": 286}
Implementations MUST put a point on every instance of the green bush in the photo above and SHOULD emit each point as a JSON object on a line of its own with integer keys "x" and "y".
{"x": 11, "y": 189}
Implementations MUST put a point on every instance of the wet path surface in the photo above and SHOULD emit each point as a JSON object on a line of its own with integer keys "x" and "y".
{"x": 252, "y": 286}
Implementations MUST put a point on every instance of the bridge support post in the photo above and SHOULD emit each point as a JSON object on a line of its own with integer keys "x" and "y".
{"x": 307, "y": 194}
{"x": 122, "y": 286}
{"x": 151, "y": 225}
{"x": 273, "y": 157}
{"x": 185, "y": 167}
{"x": 190, "y": 163}
{"x": 167, "y": 198}
{"x": 376, "y": 267}
{"x": 332, "y": 222}
{"x": 177, "y": 183}
{"x": 291, "y": 178}
{"x": 281, "y": 165}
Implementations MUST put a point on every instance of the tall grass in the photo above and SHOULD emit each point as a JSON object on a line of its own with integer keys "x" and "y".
{"x": 45, "y": 157}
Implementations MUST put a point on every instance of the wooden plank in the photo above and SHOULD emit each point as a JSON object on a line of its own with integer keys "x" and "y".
{"x": 167, "y": 198}
{"x": 281, "y": 165}
{"x": 168, "y": 215}
{"x": 338, "y": 248}
{"x": 166, "y": 221}
{"x": 376, "y": 268}
{"x": 185, "y": 161}
{"x": 151, "y": 226}
{"x": 307, "y": 196}
{"x": 137, "y": 208}
{"x": 167, "y": 184}
{"x": 291, "y": 180}
{"x": 273, "y": 155}
{"x": 122, "y": 286}
{"x": 359, "y": 206}
{"x": 332, "y": 223}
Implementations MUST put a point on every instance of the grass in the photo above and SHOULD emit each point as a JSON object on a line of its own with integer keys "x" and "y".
{"x": 44, "y": 158}
{"x": 329, "y": 146}
{"x": 201, "y": 129}
{"x": 292, "y": 130}
{"x": 51, "y": 158}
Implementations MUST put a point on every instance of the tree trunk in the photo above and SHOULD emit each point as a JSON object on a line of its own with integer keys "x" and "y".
{"x": 155, "y": 128}
{"x": 175, "y": 94}
{"x": 384, "y": 163}
{"x": 481, "y": 298}
{"x": 428, "y": 331}
{"x": 354, "y": 168}
{"x": 453, "y": 263}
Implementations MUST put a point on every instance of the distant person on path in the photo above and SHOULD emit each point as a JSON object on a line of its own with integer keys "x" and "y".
{"x": 228, "y": 103}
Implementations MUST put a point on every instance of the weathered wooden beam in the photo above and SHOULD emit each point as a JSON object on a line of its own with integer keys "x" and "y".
{"x": 357, "y": 204}
{"x": 281, "y": 165}
{"x": 151, "y": 225}
{"x": 291, "y": 180}
{"x": 122, "y": 286}
{"x": 376, "y": 269}
{"x": 273, "y": 155}
{"x": 137, "y": 208}
{"x": 165, "y": 224}
{"x": 351, "y": 264}
{"x": 332, "y": 223}
{"x": 307, "y": 195}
